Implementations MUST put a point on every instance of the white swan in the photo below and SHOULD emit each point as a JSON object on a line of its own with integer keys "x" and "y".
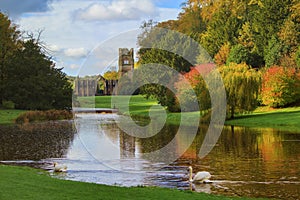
{"x": 201, "y": 177}
{"x": 58, "y": 168}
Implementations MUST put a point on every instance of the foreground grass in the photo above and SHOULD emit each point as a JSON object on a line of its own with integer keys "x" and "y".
{"x": 284, "y": 118}
{"x": 7, "y": 116}
{"x": 26, "y": 183}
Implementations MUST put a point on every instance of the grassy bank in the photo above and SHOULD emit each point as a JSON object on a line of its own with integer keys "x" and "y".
{"x": 26, "y": 183}
{"x": 138, "y": 108}
{"x": 7, "y": 116}
{"x": 285, "y": 118}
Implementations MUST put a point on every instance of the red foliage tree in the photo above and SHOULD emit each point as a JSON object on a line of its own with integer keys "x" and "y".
{"x": 280, "y": 86}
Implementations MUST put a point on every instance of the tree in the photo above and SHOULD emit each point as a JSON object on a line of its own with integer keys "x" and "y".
{"x": 198, "y": 91}
{"x": 239, "y": 54}
{"x": 33, "y": 81}
{"x": 111, "y": 75}
{"x": 280, "y": 86}
{"x": 273, "y": 52}
{"x": 267, "y": 19}
{"x": 242, "y": 86}
{"x": 222, "y": 56}
{"x": 297, "y": 57}
{"x": 9, "y": 39}
{"x": 169, "y": 48}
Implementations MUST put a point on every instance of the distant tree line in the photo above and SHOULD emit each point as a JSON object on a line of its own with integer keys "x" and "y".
{"x": 29, "y": 78}
{"x": 254, "y": 43}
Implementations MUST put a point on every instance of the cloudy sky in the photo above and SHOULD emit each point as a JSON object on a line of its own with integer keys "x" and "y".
{"x": 75, "y": 29}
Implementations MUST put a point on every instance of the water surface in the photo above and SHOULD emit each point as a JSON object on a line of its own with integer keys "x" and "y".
{"x": 245, "y": 161}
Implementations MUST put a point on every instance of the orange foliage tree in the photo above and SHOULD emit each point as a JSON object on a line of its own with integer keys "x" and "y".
{"x": 280, "y": 86}
{"x": 198, "y": 91}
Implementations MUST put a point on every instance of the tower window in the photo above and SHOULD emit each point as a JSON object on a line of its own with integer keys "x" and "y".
{"x": 126, "y": 62}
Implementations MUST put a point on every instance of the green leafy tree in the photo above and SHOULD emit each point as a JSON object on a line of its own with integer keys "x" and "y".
{"x": 33, "y": 81}
{"x": 9, "y": 38}
{"x": 267, "y": 19}
{"x": 273, "y": 52}
{"x": 239, "y": 54}
{"x": 297, "y": 57}
{"x": 242, "y": 86}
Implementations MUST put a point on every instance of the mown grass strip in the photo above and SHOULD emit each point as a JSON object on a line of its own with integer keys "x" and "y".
{"x": 26, "y": 183}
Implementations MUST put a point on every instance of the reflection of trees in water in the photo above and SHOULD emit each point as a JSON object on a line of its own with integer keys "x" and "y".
{"x": 159, "y": 140}
{"x": 125, "y": 142}
{"x": 35, "y": 141}
{"x": 239, "y": 142}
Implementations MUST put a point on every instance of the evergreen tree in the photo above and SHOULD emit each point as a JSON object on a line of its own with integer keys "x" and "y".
{"x": 34, "y": 83}
{"x": 9, "y": 38}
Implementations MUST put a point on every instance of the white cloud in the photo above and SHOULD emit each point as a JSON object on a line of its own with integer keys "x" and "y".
{"x": 53, "y": 48}
{"x": 76, "y": 52}
{"x": 74, "y": 66}
{"x": 118, "y": 10}
{"x": 63, "y": 34}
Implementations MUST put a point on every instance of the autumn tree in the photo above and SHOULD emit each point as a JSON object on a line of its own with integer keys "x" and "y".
{"x": 169, "y": 48}
{"x": 198, "y": 92}
{"x": 222, "y": 56}
{"x": 280, "y": 86}
{"x": 111, "y": 75}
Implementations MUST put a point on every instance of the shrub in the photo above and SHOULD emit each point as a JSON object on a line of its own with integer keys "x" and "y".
{"x": 35, "y": 116}
{"x": 280, "y": 86}
{"x": 8, "y": 104}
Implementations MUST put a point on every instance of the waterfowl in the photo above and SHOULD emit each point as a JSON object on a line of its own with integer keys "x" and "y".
{"x": 58, "y": 168}
{"x": 200, "y": 177}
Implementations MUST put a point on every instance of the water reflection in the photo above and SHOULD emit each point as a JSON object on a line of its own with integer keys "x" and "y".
{"x": 245, "y": 161}
{"x": 35, "y": 141}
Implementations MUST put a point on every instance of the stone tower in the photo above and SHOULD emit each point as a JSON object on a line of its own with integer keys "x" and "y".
{"x": 126, "y": 60}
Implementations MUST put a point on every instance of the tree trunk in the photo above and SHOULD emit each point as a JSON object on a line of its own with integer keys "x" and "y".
{"x": 232, "y": 112}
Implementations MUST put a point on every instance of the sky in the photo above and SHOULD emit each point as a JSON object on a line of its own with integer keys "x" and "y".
{"x": 78, "y": 33}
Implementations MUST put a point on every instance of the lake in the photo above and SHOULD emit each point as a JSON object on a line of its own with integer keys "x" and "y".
{"x": 253, "y": 162}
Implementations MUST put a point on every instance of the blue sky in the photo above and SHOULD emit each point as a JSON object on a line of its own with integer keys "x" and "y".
{"x": 74, "y": 29}
{"x": 169, "y": 3}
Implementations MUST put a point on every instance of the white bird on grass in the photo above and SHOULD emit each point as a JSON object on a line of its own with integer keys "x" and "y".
{"x": 58, "y": 168}
{"x": 200, "y": 177}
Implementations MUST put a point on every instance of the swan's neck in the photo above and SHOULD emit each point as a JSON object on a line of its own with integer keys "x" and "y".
{"x": 191, "y": 175}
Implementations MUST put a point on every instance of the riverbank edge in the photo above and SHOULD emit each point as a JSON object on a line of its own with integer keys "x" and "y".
{"x": 28, "y": 183}
{"x": 248, "y": 120}
{"x": 264, "y": 117}
{"x": 8, "y": 116}
{"x": 14, "y": 116}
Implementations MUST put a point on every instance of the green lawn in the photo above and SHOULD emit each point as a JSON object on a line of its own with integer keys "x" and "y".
{"x": 26, "y": 183}
{"x": 7, "y": 116}
{"x": 285, "y": 118}
{"x": 138, "y": 107}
